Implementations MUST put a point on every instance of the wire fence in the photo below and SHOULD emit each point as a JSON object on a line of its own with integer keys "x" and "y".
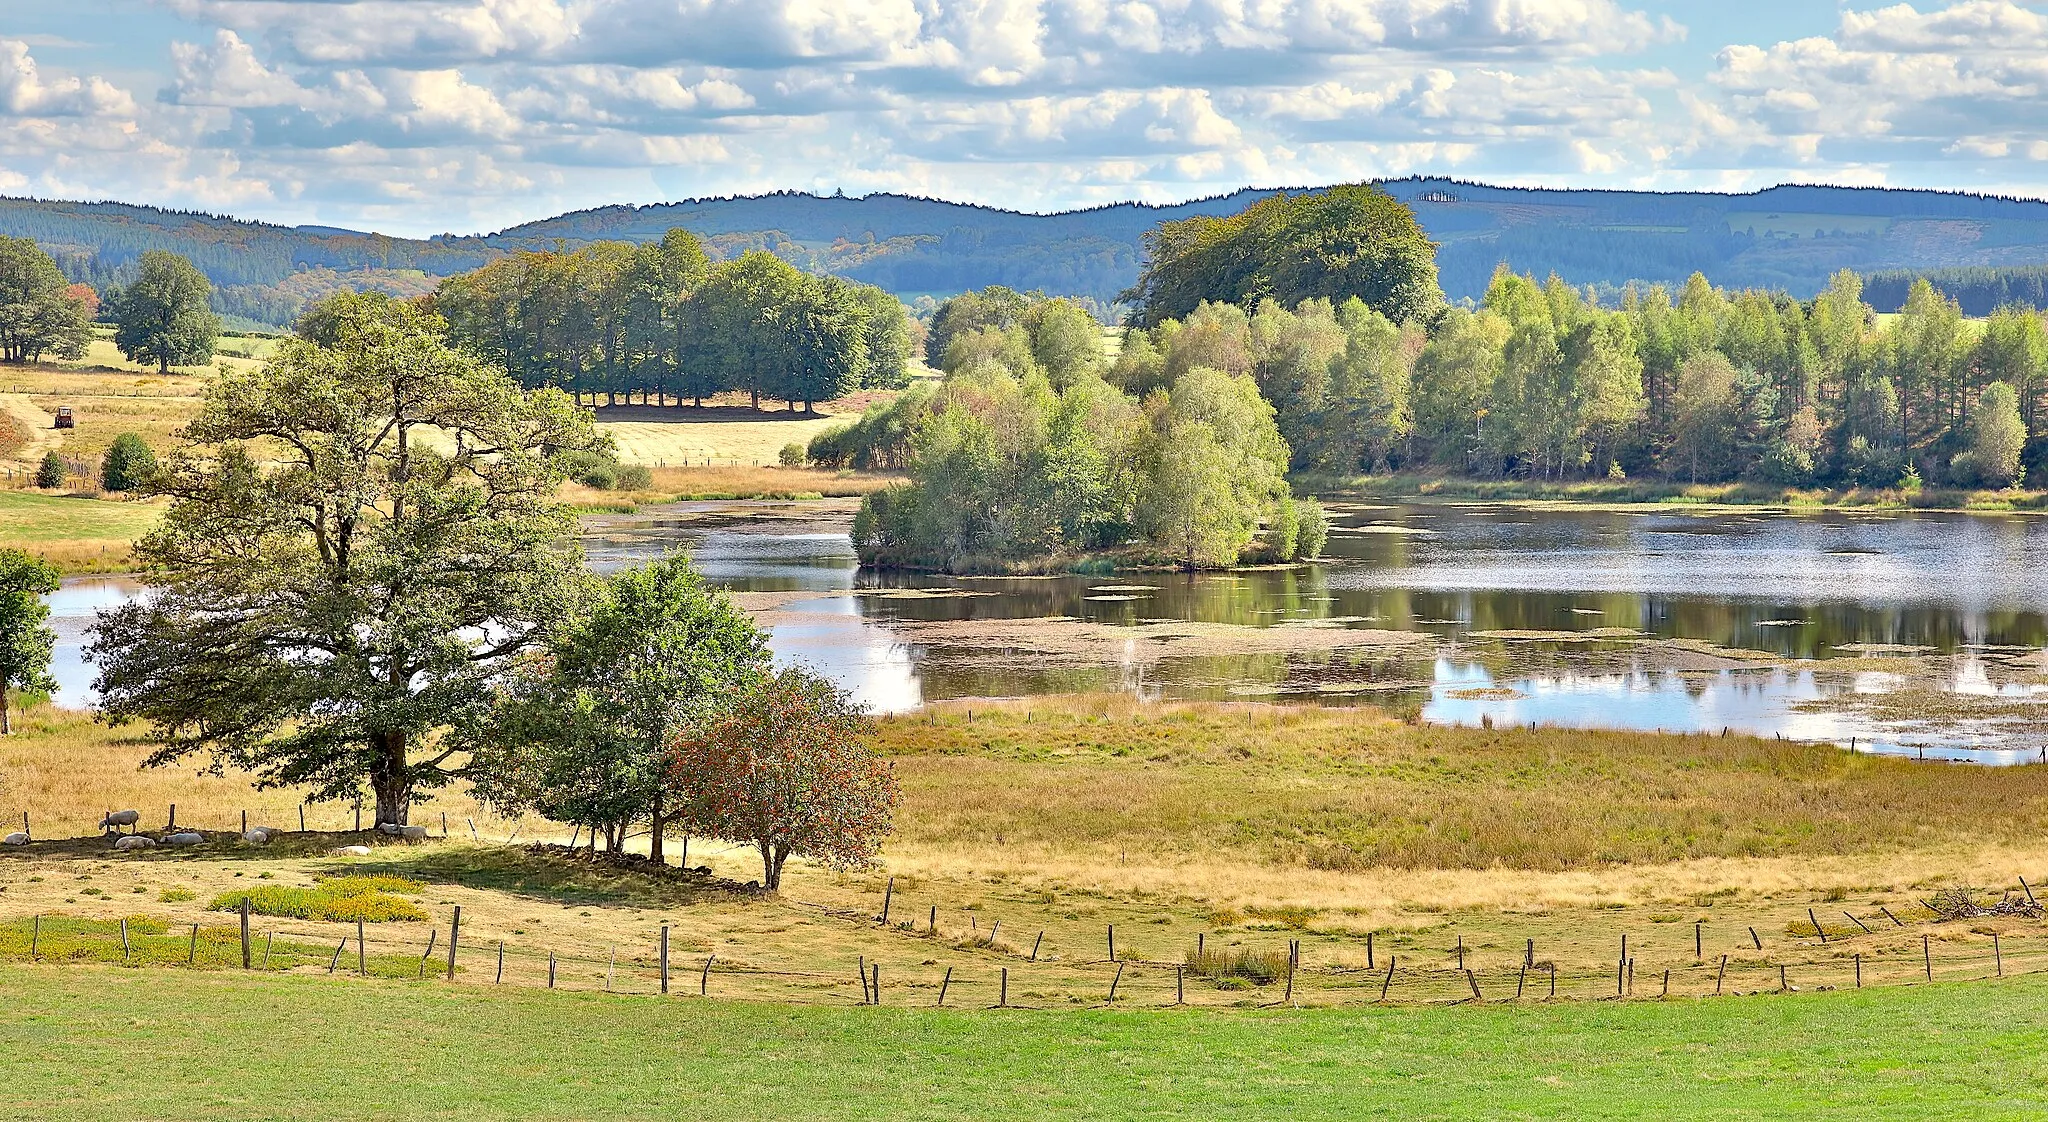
{"x": 970, "y": 973}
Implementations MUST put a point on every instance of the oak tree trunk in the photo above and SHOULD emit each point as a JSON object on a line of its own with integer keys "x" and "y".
{"x": 390, "y": 782}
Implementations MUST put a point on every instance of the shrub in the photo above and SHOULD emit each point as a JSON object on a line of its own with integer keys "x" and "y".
{"x": 129, "y": 465}
{"x": 793, "y": 455}
{"x": 604, "y": 477}
{"x": 175, "y": 895}
{"x": 635, "y": 477}
{"x": 53, "y": 473}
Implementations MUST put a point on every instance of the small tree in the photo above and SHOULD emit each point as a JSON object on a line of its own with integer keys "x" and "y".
{"x": 53, "y": 473}
{"x": 1997, "y": 437}
{"x": 129, "y": 465}
{"x": 786, "y": 767}
{"x": 165, "y": 316}
{"x": 582, "y": 734}
{"x": 25, "y": 643}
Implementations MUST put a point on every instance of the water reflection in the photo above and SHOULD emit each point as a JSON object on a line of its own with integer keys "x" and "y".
{"x": 1817, "y": 586}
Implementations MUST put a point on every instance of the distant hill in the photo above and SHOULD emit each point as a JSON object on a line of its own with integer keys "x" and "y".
{"x": 1788, "y": 238}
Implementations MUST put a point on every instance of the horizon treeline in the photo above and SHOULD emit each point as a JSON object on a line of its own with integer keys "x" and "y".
{"x": 1697, "y": 384}
{"x": 661, "y": 322}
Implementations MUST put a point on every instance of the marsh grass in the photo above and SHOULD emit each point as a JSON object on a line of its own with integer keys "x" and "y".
{"x": 1349, "y": 791}
{"x": 343, "y": 899}
{"x": 1251, "y": 964}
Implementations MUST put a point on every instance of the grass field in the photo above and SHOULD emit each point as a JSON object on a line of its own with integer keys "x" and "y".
{"x": 78, "y": 535}
{"x": 727, "y": 437}
{"x": 104, "y": 1043}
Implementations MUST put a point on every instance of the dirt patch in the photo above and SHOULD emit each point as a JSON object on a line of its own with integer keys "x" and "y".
{"x": 42, "y": 438}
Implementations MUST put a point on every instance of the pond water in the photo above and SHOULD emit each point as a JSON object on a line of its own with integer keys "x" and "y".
{"x": 1814, "y": 626}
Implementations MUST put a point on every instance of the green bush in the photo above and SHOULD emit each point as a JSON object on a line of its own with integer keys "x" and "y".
{"x": 340, "y": 900}
{"x": 635, "y": 477}
{"x": 53, "y": 473}
{"x": 604, "y": 477}
{"x": 129, "y": 465}
{"x": 793, "y": 455}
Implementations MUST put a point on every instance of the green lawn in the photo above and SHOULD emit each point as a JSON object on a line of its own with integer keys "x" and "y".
{"x": 94, "y": 1042}
{"x": 77, "y": 535}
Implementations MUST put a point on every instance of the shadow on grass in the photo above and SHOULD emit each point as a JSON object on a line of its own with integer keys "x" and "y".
{"x": 554, "y": 873}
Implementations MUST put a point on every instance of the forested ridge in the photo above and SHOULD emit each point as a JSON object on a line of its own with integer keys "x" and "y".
{"x": 1792, "y": 238}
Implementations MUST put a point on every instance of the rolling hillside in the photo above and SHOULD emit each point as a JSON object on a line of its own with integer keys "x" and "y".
{"x": 1783, "y": 237}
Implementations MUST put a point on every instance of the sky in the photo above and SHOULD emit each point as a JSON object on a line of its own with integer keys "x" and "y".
{"x": 417, "y": 117}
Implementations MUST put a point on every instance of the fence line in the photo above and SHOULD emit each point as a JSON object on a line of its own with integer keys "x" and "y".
{"x": 1047, "y": 983}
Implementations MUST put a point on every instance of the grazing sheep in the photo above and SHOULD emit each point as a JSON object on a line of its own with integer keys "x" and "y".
{"x": 133, "y": 841}
{"x": 413, "y": 832}
{"x": 15, "y": 838}
{"x": 126, "y": 818}
{"x": 185, "y": 837}
{"x": 351, "y": 851}
{"x": 257, "y": 836}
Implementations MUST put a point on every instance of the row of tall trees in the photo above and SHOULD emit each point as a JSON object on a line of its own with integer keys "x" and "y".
{"x": 1539, "y": 380}
{"x": 40, "y": 312}
{"x": 339, "y": 601}
{"x": 660, "y": 322}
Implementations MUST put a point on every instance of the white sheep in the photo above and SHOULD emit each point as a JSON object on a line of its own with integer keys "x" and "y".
{"x": 18, "y": 837}
{"x": 126, "y": 818}
{"x": 257, "y": 836}
{"x": 351, "y": 851}
{"x": 413, "y": 832}
{"x": 133, "y": 841}
{"x": 185, "y": 837}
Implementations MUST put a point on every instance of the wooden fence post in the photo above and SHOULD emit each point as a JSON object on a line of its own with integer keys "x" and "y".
{"x": 192, "y": 952}
{"x": 934, "y": 921}
{"x": 35, "y": 937}
{"x": 664, "y": 958}
{"x": 551, "y": 968}
{"x": 1368, "y": 952}
{"x": 1120, "y": 977}
{"x": 888, "y": 894}
{"x": 1461, "y": 950}
{"x": 1180, "y": 987}
{"x": 172, "y": 824}
{"x": 362, "y": 961}
{"x": 1817, "y": 928}
{"x": 245, "y": 928}
{"x": 1003, "y": 994}
{"x": 454, "y": 927}
{"x": 1782, "y": 987}
{"x": 1888, "y": 915}
{"x": 860, "y": 967}
{"x": 499, "y": 980}
{"x": 245, "y": 821}
{"x": 1521, "y": 978}
{"x": 302, "y": 818}
{"x": 1553, "y": 982}
{"x": 1754, "y": 938}
{"x": 125, "y": 952}
{"x": 338, "y": 948}
{"x": 1927, "y": 955}
{"x": 433, "y": 934}
{"x": 1859, "y": 970}
{"x": 1720, "y": 974}
{"x": 1112, "y": 942}
{"x": 1996, "y": 957}
{"x": 1858, "y": 922}
{"x": 1698, "y": 926}
{"x": 704, "y": 980}
{"x": 1035, "y": 944}
{"x": 1667, "y": 984}
{"x": 943, "y": 983}
{"x": 878, "y": 983}
{"x": 267, "y": 937}
{"x": 1472, "y": 980}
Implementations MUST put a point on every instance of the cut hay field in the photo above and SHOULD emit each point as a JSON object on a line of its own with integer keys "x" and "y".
{"x": 105, "y": 1043}
{"x": 729, "y": 437}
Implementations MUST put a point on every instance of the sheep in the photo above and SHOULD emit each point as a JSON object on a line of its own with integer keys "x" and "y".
{"x": 388, "y": 828}
{"x": 18, "y": 837}
{"x": 116, "y": 818}
{"x": 398, "y": 831}
{"x": 257, "y": 836}
{"x": 351, "y": 851}
{"x": 133, "y": 841}
{"x": 185, "y": 837}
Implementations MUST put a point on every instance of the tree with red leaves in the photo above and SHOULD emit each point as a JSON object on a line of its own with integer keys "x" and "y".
{"x": 786, "y": 766}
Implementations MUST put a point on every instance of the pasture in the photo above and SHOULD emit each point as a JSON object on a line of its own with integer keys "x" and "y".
{"x": 106, "y": 1043}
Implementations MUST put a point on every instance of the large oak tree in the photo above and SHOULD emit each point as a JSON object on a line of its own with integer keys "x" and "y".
{"x": 362, "y": 536}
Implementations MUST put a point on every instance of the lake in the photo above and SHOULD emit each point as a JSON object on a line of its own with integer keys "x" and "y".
{"x": 1917, "y": 633}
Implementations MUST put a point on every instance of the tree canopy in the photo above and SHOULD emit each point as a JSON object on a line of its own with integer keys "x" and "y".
{"x": 1344, "y": 242}
{"x": 40, "y": 312}
{"x": 26, "y": 643}
{"x": 362, "y": 537}
{"x": 165, "y": 316}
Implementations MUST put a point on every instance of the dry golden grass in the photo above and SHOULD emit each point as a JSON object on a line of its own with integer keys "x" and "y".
{"x": 1105, "y": 811}
{"x": 671, "y": 484}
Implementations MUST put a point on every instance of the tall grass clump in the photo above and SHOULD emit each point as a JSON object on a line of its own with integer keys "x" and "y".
{"x": 338, "y": 900}
{"x": 1245, "y": 964}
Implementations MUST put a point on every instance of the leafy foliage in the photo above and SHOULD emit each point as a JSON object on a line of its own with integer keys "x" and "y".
{"x": 26, "y": 642}
{"x": 128, "y": 464}
{"x": 580, "y": 731}
{"x": 165, "y": 316}
{"x": 39, "y": 312}
{"x": 787, "y": 767}
{"x": 363, "y": 536}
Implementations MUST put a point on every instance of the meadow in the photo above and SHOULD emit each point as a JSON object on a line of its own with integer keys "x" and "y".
{"x": 106, "y": 1043}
